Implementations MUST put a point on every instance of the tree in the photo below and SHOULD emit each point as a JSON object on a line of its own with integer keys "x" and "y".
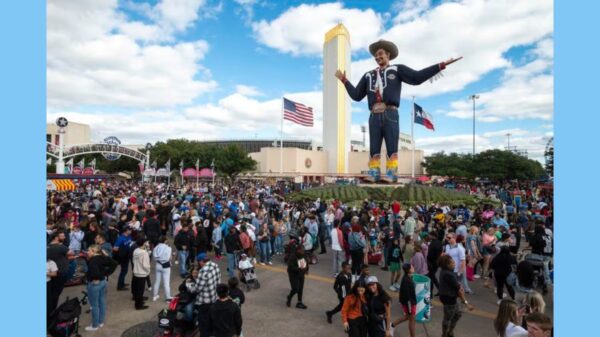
{"x": 492, "y": 164}
{"x": 233, "y": 160}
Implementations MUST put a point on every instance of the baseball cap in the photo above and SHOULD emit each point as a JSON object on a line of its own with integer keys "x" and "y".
{"x": 372, "y": 279}
{"x": 202, "y": 257}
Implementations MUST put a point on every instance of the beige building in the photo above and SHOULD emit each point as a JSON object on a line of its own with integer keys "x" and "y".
{"x": 300, "y": 162}
{"x": 75, "y": 133}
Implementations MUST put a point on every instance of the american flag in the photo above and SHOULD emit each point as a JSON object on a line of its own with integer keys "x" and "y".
{"x": 297, "y": 113}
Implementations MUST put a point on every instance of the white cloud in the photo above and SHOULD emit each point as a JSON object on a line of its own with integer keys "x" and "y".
{"x": 177, "y": 15}
{"x": 474, "y": 29}
{"x": 533, "y": 143}
{"x": 526, "y": 92}
{"x": 247, "y": 90}
{"x": 247, "y": 7}
{"x": 93, "y": 58}
{"x": 409, "y": 9}
{"x": 291, "y": 33}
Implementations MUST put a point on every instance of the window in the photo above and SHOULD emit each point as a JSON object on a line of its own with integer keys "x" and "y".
{"x": 49, "y": 138}
{"x": 56, "y": 137}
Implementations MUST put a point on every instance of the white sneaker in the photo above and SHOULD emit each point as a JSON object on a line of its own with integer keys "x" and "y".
{"x": 155, "y": 298}
{"x": 270, "y": 263}
{"x": 392, "y": 288}
{"x": 476, "y": 276}
{"x": 149, "y": 288}
{"x": 90, "y": 328}
{"x": 498, "y": 303}
{"x": 101, "y": 325}
{"x": 262, "y": 264}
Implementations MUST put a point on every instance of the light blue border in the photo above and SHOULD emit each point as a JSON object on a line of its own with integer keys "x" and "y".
{"x": 22, "y": 196}
{"x": 576, "y": 167}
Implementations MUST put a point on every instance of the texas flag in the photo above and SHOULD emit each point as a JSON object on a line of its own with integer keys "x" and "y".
{"x": 423, "y": 118}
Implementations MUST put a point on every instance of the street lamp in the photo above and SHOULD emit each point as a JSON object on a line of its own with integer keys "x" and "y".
{"x": 508, "y": 140}
{"x": 474, "y": 97}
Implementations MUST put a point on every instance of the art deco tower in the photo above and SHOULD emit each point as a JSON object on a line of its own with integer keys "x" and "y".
{"x": 336, "y": 103}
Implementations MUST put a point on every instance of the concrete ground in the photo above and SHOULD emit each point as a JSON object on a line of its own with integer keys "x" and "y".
{"x": 265, "y": 312}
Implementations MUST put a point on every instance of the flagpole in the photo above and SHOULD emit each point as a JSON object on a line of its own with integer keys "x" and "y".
{"x": 197, "y": 173}
{"x": 412, "y": 135}
{"x": 281, "y": 141}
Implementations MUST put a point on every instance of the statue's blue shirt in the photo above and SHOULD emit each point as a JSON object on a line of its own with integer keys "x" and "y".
{"x": 392, "y": 78}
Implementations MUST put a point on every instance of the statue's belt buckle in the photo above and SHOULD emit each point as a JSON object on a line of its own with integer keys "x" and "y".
{"x": 379, "y": 108}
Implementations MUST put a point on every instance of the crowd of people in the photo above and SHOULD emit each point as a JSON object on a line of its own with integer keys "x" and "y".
{"x": 145, "y": 227}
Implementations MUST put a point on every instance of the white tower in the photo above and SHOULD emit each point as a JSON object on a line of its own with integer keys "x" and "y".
{"x": 336, "y": 103}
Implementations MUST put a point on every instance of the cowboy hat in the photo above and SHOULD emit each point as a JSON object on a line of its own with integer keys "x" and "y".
{"x": 388, "y": 46}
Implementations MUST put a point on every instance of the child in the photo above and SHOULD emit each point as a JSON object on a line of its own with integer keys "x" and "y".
{"x": 236, "y": 294}
{"x": 395, "y": 256}
{"x": 408, "y": 299}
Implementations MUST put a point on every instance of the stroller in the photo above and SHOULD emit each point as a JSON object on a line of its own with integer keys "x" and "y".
{"x": 64, "y": 320}
{"x": 537, "y": 262}
{"x": 172, "y": 323}
{"x": 246, "y": 275}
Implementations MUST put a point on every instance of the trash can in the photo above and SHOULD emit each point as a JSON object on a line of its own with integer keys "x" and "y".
{"x": 423, "y": 291}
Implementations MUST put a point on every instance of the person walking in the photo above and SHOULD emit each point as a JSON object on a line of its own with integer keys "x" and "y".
{"x": 450, "y": 290}
{"x": 456, "y": 250}
{"x": 379, "y": 303}
{"x": 357, "y": 243}
{"x": 337, "y": 247}
{"x": 408, "y": 299}
{"x": 121, "y": 251}
{"x": 162, "y": 256}
{"x": 99, "y": 267}
{"x": 342, "y": 287}
{"x": 232, "y": 246}
{"x": 297, "y": 268}
{"x": 225, "y": 316}
{"x": 209, "y": 276}
{"x": 434, "y": 252}
{"x": 502, "y": 265}
{"x": 141, "y": 270}
{"x": 355, "y": 311}
{"x": 58, "y": 253}
{"x": 182, "y": 243}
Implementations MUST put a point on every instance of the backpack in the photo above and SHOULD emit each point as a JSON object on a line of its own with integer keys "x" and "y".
{"x": 355, "y": 242}
{"x": 109, "y": 266}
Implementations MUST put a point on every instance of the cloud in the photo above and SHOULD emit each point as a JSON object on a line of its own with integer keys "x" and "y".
{"x": 470, "y": 28}
{"x": 94, "y": 58}
{"x": 247, "y": 8}
{"x": 290, "y": 33}
{"x": 525, "y": 92}
{"x": 247, "y": 90}
{"x": 532, "y": 143}
{"x": 409, "y": 9}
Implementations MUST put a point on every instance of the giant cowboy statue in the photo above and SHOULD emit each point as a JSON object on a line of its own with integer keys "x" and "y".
{"x": 382, "y": 87}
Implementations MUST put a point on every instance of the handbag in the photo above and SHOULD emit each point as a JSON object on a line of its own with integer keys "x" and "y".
{"x": 165, "y": 264}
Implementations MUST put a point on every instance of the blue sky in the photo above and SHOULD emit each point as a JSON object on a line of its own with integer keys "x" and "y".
{"x": 208, "y": 69}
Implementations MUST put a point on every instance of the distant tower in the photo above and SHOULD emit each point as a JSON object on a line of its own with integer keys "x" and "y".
{"x": 336, "y": 103}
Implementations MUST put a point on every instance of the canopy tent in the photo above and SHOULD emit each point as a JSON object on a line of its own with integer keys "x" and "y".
{"x": 202, "y": 173}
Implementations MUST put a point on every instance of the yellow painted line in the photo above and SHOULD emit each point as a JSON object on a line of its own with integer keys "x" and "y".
{"x": 476, "y": 312}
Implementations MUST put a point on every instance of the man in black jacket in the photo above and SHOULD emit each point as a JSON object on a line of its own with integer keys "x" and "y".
{"x": 232, "y": 244}
{"x": 182, "y": 243}
{"x": 433, "y": 254}
{"x": 225, "y": 315}
{"x": 342, "y": 287}
{"x": 152, "y": 228}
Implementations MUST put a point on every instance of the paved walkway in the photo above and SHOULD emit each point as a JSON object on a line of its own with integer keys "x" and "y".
{"x": 265, "y": 313}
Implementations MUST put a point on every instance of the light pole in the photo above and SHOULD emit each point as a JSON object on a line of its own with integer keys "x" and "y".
{"x": 508, "y": 141}
{"x": 474, "y": 97}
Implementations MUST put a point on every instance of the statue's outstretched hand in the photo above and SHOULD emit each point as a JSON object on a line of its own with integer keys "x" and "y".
{"x": 452, "y": 60}
{"x": 340, "y": 75}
